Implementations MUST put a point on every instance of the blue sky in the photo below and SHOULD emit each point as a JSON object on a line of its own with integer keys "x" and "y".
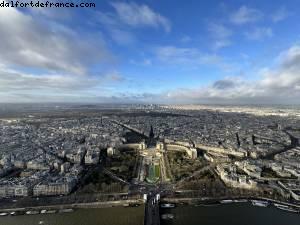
{"x": 152, "y": 51}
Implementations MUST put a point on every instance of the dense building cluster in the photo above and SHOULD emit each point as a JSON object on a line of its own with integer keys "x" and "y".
{"x": 47, "y": 157}
{"x": 40, "y": 155}
{"x": 258, "y": 136}
{"x": 251, "y": 151}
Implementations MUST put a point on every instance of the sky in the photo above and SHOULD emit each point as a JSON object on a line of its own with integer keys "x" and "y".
{"x": 152, "y": 51}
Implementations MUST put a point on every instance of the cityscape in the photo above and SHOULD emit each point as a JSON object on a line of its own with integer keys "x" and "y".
{"x": 149, "y": 112}
{"x": 63, "y": 158}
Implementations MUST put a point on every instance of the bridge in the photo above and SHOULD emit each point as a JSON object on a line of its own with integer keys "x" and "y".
{"x": 152, "y": 216}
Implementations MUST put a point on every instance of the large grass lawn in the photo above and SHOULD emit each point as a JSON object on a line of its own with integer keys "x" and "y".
{"x": 153, "y": 173}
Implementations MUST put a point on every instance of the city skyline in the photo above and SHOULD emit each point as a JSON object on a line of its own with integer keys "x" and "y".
{"x": 152, "y": 52}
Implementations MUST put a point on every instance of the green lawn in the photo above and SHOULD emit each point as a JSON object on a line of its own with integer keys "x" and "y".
{"x": 157, "y": 171}
{"x": 153, "y": 173}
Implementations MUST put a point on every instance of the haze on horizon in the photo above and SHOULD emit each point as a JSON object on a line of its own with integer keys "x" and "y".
{"x": 235, "y": 52}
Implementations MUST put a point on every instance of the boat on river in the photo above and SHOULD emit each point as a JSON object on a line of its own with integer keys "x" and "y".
{"x": 167, "y": 205}
{"x": 286, "y": 208}
{"x": 32, "y": 212}
{"x": 226, "y": 201}
{"x": 167, "y": 216}
{"x": 259, "y": 203}
{"x": 240, "y": 200}
{"x": 66, "y": 210}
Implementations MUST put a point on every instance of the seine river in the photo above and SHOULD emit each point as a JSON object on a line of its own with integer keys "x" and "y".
{"x": 103, "y": 216}
{"x": 226, "y": 214}
{"x": 231, "y": 214}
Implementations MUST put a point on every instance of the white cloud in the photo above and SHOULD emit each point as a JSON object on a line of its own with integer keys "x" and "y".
{"x": 172, "y": 54}
{"x": 277, "y": 85}
{"x": 218, "y": 44}
{"x": 27, "y": 42}
{"x": 290, "y": 58}
{"x": 115, "y": 28}
{"x": 144, "y": 62}
{"x": 191, "y": 57}
{"x": 140, "y": 15}
{"x": 51, "y": 87}
{"x": 219, "y": 31}
{"x": 52, "y": 13}
{"x": 220, "y": 35}
{"x": 245, "y": 15}
{"x": 185, "y": 39}
{"x": 176, "y": 55}
{"x": 58, "y": 58}
{"x": 287, "y": 76}
{"x": 280, "y": 14}
{"x": 119, "y": 24}
{"x": 122, "y": 37}
{"x": 259, "y": 33}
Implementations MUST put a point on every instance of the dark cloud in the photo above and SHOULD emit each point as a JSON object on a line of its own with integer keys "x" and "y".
{"x": 224, "y": 84}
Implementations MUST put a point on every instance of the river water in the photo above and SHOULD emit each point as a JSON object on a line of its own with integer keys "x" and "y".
{"x": 103, "y": 216}
{"x": 226, "y": 214}
{"x": 231, "y": 214}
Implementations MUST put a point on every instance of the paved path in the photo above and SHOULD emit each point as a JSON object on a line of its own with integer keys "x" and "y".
{"x": 114, "y": 176}
{"x": 182, "y": 181}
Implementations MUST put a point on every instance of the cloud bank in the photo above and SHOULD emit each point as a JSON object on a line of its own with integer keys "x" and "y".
{"x": 280, "y": 84}
{"x": 26, "y": 42}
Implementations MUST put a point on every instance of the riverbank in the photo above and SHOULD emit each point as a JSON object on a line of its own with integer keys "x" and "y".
{"x": 132, "y": 202}
{"x": 206, "y": 200}
{"x": 107, "y": 204}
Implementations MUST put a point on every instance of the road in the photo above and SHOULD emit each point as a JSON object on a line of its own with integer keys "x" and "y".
{"x": 114, "y": 176}
{"x": 152, "y": 216}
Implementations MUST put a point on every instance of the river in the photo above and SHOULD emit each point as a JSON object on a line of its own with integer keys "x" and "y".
{"x": 226, "y": 214}
{"x": 102, "y": 216}
{"x": 231, "y": 214}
